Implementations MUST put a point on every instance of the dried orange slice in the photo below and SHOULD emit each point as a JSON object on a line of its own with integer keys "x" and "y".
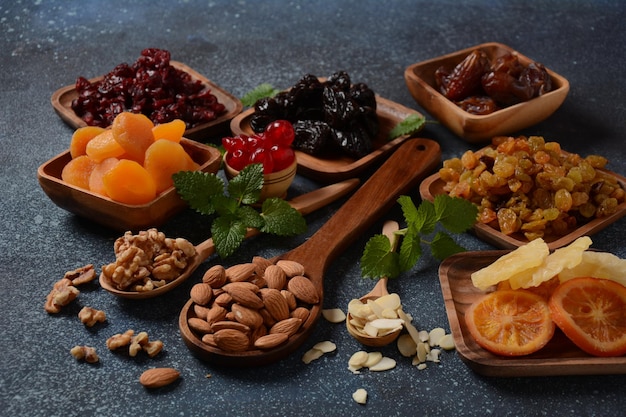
{"x": 510, "y": 322}
{"x": 592, "y": 314}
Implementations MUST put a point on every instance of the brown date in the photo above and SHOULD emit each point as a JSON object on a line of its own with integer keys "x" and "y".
{"x": 464, "y": 80}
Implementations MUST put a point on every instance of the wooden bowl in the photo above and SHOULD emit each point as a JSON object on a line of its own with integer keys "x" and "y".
{"x": 420, "y": 79}
{"x": 275, "y": 184}
{"x": 112, "y": 214}
{"x": 559, "y": 357}
{"x": 341, "y": 167}
{"x": 433, "y": 186}
{"x": 62, "y": 102}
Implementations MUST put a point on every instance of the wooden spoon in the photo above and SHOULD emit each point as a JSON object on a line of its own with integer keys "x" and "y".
{"x": 305, "y": 204}
{"x": 378, "y": 291}
{"x": 401, "y": 173}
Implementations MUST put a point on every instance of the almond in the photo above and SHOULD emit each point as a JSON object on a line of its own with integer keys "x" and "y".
{"x": 224, "y": 300}
{"x": 229, "y": 324}
{"x": 231, "y": 340}
{"x": 215, "y": 276}
{"x": 303, "y": 289}
{"x": 200, "y": 311}
{"x": 291, "y": 299}
{"x": 209, "y": 339}
{"x": 216, "y": 313}
{"x": 301, "y": 313}
{"x": 201, "y": 293}
{"x": 289, "y": 326}
{"x": 240, "y": 272}
{"x": 268, "y": 319}
{"x": 275, "y": 303}
{"x": 199, "y": 325}
{"x": 291, "y": 268}
{"x": 270, "y": 341}
{"x": 158, "y": 377}
{"x": 275, "y": 277}
{"x": 260, "y": 263}
{"x": 244, "y": 295}
{"x": 247, "y": 316}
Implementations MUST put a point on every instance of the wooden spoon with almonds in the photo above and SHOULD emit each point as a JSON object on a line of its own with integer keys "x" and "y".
{"x": 379, "y": 290}
{"x": 401, "y": 173}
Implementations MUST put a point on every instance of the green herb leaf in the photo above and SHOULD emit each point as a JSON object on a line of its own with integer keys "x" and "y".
{"x": 378, "y": 259}
{"x": 228, "y": 232}
{"x": 198, "y": 188}
{"x": 281, "y": 219}
{"x": 443, "y": 246}
{"x": 246, "y": 186}
{"x": 409, "y": 126}
{"x": 455, "y": 214}
{"x": 259, "y": 92}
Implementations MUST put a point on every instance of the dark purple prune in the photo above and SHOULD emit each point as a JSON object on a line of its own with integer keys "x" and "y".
{"x": 340, "y": 80}
{"x": 307, "y": 92}
{"x": 339, "y": 108}
{"x": 311, "y": 136}
{"x": 464, "y": 79}
{"x": 478, "y": 105}
{"x": 363, "y": 95}
{"x": 354, "y": 142}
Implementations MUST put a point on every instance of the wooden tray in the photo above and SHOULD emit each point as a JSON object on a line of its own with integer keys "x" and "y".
{"x": 433, "y": 186}
{"x": 113, "y": 214}
{"x": 559, "y": 357}
{"x": 343, "y": 167}
{"x": 62, "y": 102}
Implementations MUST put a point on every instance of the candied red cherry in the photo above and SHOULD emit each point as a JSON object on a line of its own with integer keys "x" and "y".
{"x": 231, "y": 144}
{"x": 255, "y": 142}
{"x": 238, "y": 159}
{"x": 283, "y": 157}
{"x": 280, "y": 132}
{"x": 263, "y": 156}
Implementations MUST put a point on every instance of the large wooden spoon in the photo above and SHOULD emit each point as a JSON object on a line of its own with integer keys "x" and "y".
{"x": 305, "y": 204}
{"x": 378, "y": 291}
{"x": 402, "y": 172}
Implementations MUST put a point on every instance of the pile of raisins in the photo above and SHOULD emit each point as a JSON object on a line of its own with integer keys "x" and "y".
{"x": 328, "y": 116}
{"x": 479, "y": 86}
{"x": 150, "y": 86}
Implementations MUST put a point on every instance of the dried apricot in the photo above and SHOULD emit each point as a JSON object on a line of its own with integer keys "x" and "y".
{"x": 81, "y": 137}
{"x": 130, "y": 183}
{"x": 104, "y": 146}
{"x": 172, "y": 131}
{"x": 77, "y": 171}
{"x": 96, "y": 184}
{"x": 163, "y": 159}
{"x": 133, "y": 132}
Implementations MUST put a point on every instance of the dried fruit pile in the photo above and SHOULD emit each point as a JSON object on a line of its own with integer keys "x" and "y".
{"x": 150, "y": 86}
{"x": 132, "y": 162}
{"x": 479, "y": 86}
{"x": 332, "y": 116}
{"x": 530, "y": 186}
{"x": 537, "y": 290}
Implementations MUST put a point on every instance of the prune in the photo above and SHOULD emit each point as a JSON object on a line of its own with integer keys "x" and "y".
{"x": 150, "y": 86}
{"x": 328, "y": 116}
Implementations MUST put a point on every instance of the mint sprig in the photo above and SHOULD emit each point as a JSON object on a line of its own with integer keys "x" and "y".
{"x": 259, "y": 92}
{"x": 409, "y": 126}
{"x": 233, "y": 210}
{"x": 452, "y": 214}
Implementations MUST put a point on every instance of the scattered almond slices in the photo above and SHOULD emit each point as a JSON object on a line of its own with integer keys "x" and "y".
{"x": 377, "y": 317}
{"x": 318, "y": 350}
{"x": 334, "y": 315}
{"x": 360, "y": 396}
{"x": 374, "y": 361}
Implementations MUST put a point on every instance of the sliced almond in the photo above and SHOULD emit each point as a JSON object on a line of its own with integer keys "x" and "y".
{"x": 406, "y": 345}
{"x": 311, "y": 355}
{"x": 435, "y": 335}
{"x": 384, "y": 364}
{"x": 360, "y": 396}
{"x": 447, "y": 342}
{"x": 358, "y": 359}
{"x": 325, "y": 346}
{"x": 372, "y": 359}
{"x": 334, "y": 315}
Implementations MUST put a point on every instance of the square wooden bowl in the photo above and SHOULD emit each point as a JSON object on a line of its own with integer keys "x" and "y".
{"x": 420, "y": 79}
{"x": 112, "y": 214}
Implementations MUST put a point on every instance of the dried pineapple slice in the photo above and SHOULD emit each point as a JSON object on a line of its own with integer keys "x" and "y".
{"x": 524, "y": 258}
{"x": 598, "y": 265}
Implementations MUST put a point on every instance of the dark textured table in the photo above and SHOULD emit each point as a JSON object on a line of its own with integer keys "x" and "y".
{"x": 238, "y": 45}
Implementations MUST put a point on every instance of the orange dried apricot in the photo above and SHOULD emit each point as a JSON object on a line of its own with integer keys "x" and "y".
{"x": 128, "y": 182}
{"x": 81, "y": 137}
{"x": 77, "y": 171}
{"x": 163, "y": 159}
{"x": 96, "y": 184}
{"x": 173, "y": 130}
{"x": 104, "y": 146}
{"x": 133, "y": 132}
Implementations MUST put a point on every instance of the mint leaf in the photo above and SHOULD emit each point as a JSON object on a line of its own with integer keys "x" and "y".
{"x": 409, "y": 126}
{"x": 455, "y": 214}
{"x": 281, "y": 219}
{"x": 197, "y": 188}
{"x": 410, "y": 248}
{"x": 378, "y": 260}
{"x": 443, "y": 246}
{"x": 259, "y": 92}
{"x": 228, "y": 233}
{"x": 246, "y": 186}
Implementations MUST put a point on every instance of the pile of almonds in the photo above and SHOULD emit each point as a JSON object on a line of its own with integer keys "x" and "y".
{"x": 255, "y": 305}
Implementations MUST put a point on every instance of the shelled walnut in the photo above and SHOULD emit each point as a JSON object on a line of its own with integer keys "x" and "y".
{"x": 86, "y": 353}
{"x": 135, "y": 342}
{"x": 90, "y": 316}
{"x": 147, "y": 260}
{"x": 62, "y": 293}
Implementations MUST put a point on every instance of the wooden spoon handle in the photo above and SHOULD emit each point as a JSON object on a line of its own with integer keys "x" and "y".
{"x": 402, "y": 171}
